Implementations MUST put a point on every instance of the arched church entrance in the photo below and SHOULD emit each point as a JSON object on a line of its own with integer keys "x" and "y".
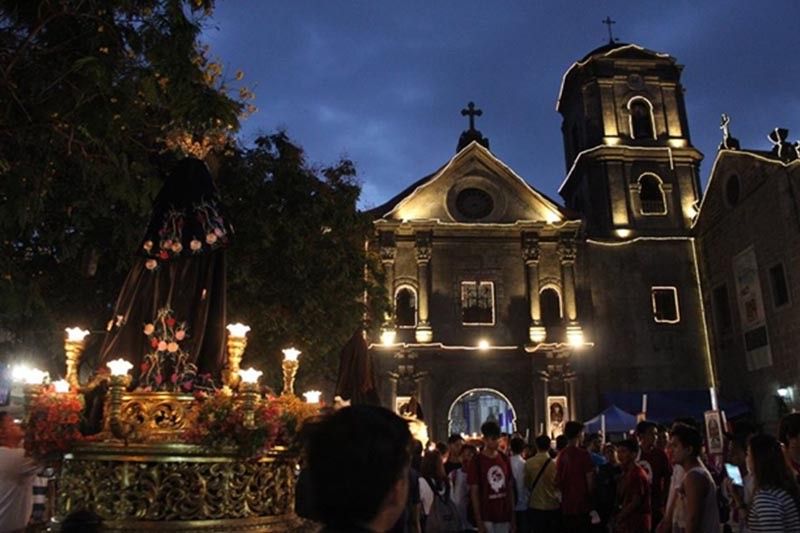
{"x": 474, "y": 407}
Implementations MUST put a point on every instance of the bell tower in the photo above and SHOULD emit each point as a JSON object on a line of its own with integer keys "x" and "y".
{"x": 631, "y": 167}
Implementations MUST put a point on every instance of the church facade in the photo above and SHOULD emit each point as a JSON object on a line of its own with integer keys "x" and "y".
{"x": 544, "y": 304}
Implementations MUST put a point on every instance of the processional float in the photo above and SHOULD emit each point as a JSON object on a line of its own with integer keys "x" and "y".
{"x": 184, "y": 438}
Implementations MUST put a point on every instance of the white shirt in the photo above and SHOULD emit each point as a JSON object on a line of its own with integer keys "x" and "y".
{"x": 709, "y": 521}
{"x": 518, "y": 471}
{"x": 17, "y": 473}
{"x": 425, "y": 495}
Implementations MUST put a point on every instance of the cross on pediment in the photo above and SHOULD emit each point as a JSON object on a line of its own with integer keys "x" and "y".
{"x": 471, "y": 112}
{"x": 608, "y": 22}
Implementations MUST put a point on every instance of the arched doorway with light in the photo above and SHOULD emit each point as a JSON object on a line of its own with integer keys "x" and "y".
{"x": 474, "y": 407}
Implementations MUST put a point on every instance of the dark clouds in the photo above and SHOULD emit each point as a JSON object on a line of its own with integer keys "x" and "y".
{"x": 383, "y": 82}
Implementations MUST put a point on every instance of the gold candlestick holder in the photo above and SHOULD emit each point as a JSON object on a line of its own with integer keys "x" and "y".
{"x": 236, "y": 343}
{"x": 73, "y": 348}
{"x": 290, "y": 365}
{"x": 250, "y": 396}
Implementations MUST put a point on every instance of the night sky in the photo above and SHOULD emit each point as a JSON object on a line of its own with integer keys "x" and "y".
{"x": 383, "y": 83}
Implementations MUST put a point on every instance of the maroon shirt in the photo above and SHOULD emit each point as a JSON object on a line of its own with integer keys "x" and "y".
{"x": 661, "y": 471}
{"x": 572, "y": 465}
{"x": 493, "y": 477}
{"x": 634, "y": 484}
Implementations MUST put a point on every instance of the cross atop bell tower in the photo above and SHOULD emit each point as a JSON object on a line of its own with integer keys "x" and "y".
{"x": 608, "y": 22}
{"x": 467, "y": 136}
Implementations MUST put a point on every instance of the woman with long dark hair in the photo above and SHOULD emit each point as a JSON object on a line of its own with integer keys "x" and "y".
{"x": 777, "y": 496}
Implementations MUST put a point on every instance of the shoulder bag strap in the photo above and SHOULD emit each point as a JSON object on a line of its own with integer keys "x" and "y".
{"x": 539, "y": 475}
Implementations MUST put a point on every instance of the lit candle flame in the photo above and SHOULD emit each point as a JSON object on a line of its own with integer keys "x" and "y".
{"x": 250, "y": 375}
{"x": 290, "y": 354}
{"x": 76, "y": 334}
{"x": 312, "y": 396}
{"x": 119, "y": 367}
{"x": 61, "y": 386}
{"x": 238, "y": 330}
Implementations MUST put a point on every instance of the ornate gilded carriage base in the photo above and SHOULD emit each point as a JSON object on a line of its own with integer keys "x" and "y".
{"x": 178, "y": 487}
{"x": 142, "y": 475}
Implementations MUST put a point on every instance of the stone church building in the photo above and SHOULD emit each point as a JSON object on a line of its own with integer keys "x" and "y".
{"x": 544, "y": 305}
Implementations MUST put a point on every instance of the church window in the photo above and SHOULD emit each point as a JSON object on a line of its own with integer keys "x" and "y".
{"x": 477, "y": 303}
{"x": 780, "y": 289}
{"x": 732, "y": 189}
{"x": 723, "y": 321}
{"x": 550, "y": 307}
{"x": 651, "y": 195}
{"x": 405, "y": 307}
{"x": 641, "y": 118}
{"x": 665, "y": 305}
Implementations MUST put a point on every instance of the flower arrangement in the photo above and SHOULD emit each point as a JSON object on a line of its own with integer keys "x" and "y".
{"x": 167, "y": 366}
{"x": 293, "y": 413}
{"x": 53, "y": 425}
{"x": 220, "y": 423}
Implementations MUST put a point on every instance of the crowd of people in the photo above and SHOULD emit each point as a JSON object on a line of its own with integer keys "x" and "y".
{"x": 362, "y": 462}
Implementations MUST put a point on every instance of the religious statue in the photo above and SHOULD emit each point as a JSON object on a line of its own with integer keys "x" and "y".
{"x": 169, "y": 319}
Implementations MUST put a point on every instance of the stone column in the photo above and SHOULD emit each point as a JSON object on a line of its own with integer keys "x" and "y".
{"x": 570, "y": 380}
{"x": 388, "y": 251}
{"x": 566, "y": 253}
{"x": 541, "y": 418}
{"x": 530, "y": 254}
{"x": 423, "y": 249}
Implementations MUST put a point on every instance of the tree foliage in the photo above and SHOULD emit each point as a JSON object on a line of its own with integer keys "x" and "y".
{"x": 298, "y": 270}
{"x": 93, "y": 94}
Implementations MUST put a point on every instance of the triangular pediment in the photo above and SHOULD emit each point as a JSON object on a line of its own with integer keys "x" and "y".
{"x": 473, "y": 187}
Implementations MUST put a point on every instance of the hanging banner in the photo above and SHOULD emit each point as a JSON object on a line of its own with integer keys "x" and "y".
{"x": 751, "y": 310}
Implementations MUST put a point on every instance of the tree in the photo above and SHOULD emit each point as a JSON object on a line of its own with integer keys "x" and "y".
{"x": 298, "y": 268}
{"x": 94, "y": 94}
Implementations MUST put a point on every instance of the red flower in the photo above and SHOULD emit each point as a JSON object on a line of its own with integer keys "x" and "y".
{"x": 154, "y": 342}
{"x": 163, "y": 254}
{"x": 145, "y": 367}
{"x": 170, "y": 321}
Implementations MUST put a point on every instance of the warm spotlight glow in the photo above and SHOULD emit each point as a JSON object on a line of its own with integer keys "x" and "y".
{"x": 483, "y": 344}
{"x": 551, "y": 217}
{"x": 238, "y": 330}
{"x": 19, "y": 372}
{"x": 250, "y": 375}
{"x": 623, "y": 233}
{"x": 784, "y": 392}
{"x": 537, "y": 334}
{"x": 61, "y": 386}
{"x": 387, "y": 336}
{"x": 119, "y": 367}
{"x": 290, "y": 354}
{"x": 312, "y": 396}
{"x": 575, "y": 338}
{"x": 76, "y": 334}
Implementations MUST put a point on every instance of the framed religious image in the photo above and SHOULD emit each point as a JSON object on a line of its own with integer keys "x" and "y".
{"x": 556, "y": 415}
{"x": 714, "y": 432}
{"x": 400, "y": 402}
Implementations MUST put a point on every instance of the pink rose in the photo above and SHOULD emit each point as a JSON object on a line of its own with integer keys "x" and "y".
{"x": 166, "y": 244}
{"x": 172, "y": 347}
{"x": 195, "y": 245}
{"x": 211, "y": 238}
{"x": 177, "y": 247}
{"x": 218, "y": 232}
{"x": 148, "y": 245}
{"x": 180, "y": 334}
{"x": 150, "y": 264}
{"x": 149, "y": 329}
{"x": 162, "y": 346}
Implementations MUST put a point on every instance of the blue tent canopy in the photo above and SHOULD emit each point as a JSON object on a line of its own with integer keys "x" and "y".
{"x": 666, "y": 406}
{"x": 617, "y": 421}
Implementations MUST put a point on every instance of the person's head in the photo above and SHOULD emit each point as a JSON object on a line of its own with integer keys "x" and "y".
{"x": 491, "y": 435}
{"x": 573, "y": 431}
{"x": 737, "y": 449}
{"x": 561, "y": 442}
{"x": 543, "y": 443}
{"x": 417, "y": 450}
{"x": 610, "y": 453}
{"x": 468, "y": 451}
{"x": 685, "y": 443}
{"x": 627, "y": 450}
{"x": 454, "y": 444}
{"x": 358, "y": 460}
{"x": 81, "y": 522}
{"x": 441, "y": 447}
{"x": 662, "y": 438}
{"x": 789, "y": 431}
{"x": 647, "y": 432}
{"x": 517, "y": 445}
{"x": 594, "y": 442}
{"x": 766, "y": 461}
{"x": 432, "y": 466}
{"x": 11, "y": 433}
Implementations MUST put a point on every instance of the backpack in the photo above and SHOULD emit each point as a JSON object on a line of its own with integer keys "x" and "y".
{"x": 443, "y": 516}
